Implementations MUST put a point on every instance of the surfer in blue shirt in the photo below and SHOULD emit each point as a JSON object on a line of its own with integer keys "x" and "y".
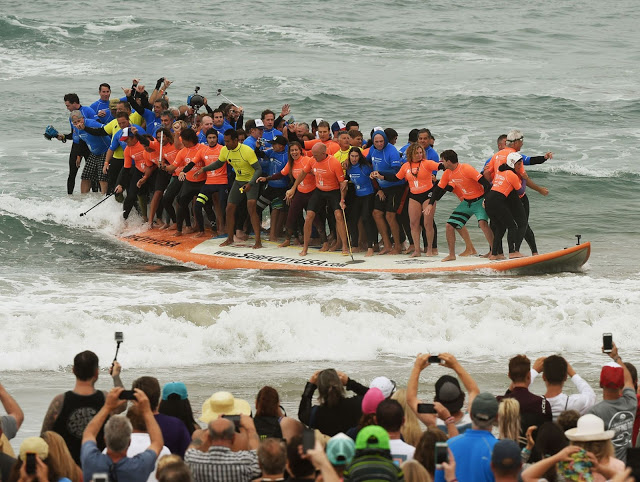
{"x": 386, "y": 159}
{"x": 98, "y": 145}
{"x": 358, "y": 173}
{"x": 101, "y": 106}
{"x": 206, "y": 123}
{"x": 273, "y": 161}
{"x": 413, "y": 137}
{"x": 269, "y": 133}
{"x": 220, "y": 124}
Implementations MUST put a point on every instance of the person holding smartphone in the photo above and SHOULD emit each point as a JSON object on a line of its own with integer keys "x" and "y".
{"x": 449, "y": 398}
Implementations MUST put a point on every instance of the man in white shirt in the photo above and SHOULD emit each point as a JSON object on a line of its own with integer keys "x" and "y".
{"x": 390, "y": 416}
{"x": 555, "y": 370}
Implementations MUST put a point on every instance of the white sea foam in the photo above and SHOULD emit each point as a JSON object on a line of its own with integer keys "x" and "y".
{"x": 17, "y": 64}
{"x": 115, "y": 24}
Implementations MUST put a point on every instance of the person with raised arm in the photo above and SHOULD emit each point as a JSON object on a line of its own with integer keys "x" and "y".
{"x": 117, "y": 435}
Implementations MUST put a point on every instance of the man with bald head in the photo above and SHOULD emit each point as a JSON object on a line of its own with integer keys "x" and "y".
{"x": 210, "y": 455}
{"x": 331, "y": 189}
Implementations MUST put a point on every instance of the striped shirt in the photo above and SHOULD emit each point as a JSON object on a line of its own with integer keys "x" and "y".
{"x": 220, "y": 464}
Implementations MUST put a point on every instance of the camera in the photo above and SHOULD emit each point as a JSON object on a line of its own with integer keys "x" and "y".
{"x": 195, "y": 100}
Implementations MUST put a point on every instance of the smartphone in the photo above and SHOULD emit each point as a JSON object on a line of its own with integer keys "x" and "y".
{"x": 607, "y": 342}
{"x": 100, "y": 478}
{"x": 426, "y": 408}
{"x": 633, "y": 461}
{"x": 441, "y": 454}
{"x": 235, "y": 419}
{"x": 119, "y": 337}
{"x": 435, "y": 359}
{"x": 126, "y": 395}
{"x": 308, "y": 439}
{"x": 31, "y": 463}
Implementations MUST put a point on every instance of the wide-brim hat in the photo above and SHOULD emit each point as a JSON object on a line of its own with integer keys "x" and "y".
{"x": 590, "y": 428}
{"x": 223, "y": 403}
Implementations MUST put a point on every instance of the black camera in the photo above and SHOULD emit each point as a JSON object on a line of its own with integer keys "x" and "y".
{"x": 195, "y": 100}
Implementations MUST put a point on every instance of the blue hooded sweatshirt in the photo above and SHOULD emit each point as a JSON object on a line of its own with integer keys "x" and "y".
{"x": 385, "y": 161}
{"x": 97, "y": 144}
{"x": 275, "y": 162}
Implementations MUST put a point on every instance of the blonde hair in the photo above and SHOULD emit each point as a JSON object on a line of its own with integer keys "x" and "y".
{"x": 60, "y": 458}
{"x": 167, "y": 461}
{"x": 415, "y": 472}
{"x": 509, "y": 419}
{"x": 412, "y": 150}
{"x": 411, "y": 430}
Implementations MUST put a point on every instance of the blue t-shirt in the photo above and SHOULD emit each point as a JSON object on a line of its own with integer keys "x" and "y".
{"x": 99, "y": 105}
{"x": 88, "y": 113}
{"x": 115, "y": 140}
{"x": 275, "y": 163}
{"x": 97, "y": 144}
{"x": 251, "y": 141}
{"x": 269, "y": 135}
{"x": 359, "y": 176}
{"x": 153, "y": 122}
{"x": 472, "y": 451}
{"x": 129, "y": 469}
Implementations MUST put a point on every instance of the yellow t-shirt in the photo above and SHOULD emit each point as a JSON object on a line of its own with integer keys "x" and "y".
{"x": 112, "y": 127}
{"x": 242, "y": 159}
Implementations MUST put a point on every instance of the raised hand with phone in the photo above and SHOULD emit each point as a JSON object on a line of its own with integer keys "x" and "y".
{"x": 448, "y": 398}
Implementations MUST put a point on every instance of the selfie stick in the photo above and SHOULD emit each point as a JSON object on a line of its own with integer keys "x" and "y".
{"x": 107, "y": 197}
{"x": 115, "y": 358}
{"x": 160, "y": 163}
{"x": 225, "y": 98}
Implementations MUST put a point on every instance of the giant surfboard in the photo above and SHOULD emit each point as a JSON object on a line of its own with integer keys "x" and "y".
{"x": 208, "y": 252}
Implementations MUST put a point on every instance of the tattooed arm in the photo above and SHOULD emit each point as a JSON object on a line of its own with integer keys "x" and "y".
{"x": 52, "y": 413}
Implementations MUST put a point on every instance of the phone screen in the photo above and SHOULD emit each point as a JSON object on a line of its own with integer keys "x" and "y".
{"x": 442, "y": 453}
{"x": 607, "y": 342}
{"x": 31, "y": 463}
{"x": 126, "y": 395}
{"x": 235, "y": 419}
{"x": 426, "y": 408}
{"x": 308, "y": 439}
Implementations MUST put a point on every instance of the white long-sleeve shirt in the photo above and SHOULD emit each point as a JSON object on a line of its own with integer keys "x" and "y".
{"x": 582, "y": 401}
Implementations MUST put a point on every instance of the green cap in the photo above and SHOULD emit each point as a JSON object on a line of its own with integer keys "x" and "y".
{"x": 372, "y": 437}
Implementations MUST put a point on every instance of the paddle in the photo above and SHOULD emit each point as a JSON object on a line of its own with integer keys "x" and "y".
{"x": 98, "y": 204}
{"x": 353, "y": 261}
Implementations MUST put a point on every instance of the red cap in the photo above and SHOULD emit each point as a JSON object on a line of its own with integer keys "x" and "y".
{"x": 612, "y": 377}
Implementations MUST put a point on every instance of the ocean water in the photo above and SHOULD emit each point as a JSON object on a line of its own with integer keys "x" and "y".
{"x": 565, "y": 74}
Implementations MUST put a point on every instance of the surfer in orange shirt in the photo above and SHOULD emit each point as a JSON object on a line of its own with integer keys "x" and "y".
{"x": 331, "y": 188}
{"x": 324, "y": 137}
{"x": 470, "y": 187}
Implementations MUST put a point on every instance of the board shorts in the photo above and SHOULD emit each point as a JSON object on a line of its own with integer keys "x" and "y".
{"x": 392, "y": 200}
{"x": 465, "y": 210}
{"x": 273, "y": 196}
{"x": 320, "y": 198}
{"x": 93, "y": 168}
{"x": 235, "y": 196}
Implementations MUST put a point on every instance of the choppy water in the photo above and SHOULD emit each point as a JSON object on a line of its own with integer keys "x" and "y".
{"x": 468, "y": 70}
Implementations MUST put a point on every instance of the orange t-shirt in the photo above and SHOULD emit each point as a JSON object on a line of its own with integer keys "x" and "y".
{"x": 500, "y": 158}
{"x": 210, "y": 155}
{"x": 464, "y": 180}
{"x": 328, "y": 173}
{"x": 332, "y": 146}
{"x": 134, "y": 155}
{"x": 187, "y": 155}
{"x": 418, "y": 175}
{"x": 169, "y": 153}
{"x": 308, "y": 184}
{"x": 506, "y": 181}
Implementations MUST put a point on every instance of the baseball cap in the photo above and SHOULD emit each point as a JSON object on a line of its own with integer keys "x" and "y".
{"x": 484, "y": 407}
{"x": 282, "y": 140}
{"x": 338, "y": 126}
{"x": 612, "y": 376}
{"x": 177, "y": 388}
{"x": 449, "y": 394}
{"x": 35, "y": 445}
{"x": 512, "y": 159}
{"x": 340, "y": 449}
{"x": 126, "y": 133}
{"x": 371, "y": 400}
{"x": 372, "y": 437}
{"x": 386, "y": 386}
{"x": 514, "y": 135}
{"x": 259, "y": 123}
{"x": 506, "y": 455}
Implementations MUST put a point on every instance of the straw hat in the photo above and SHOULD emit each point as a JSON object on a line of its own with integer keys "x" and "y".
{"x": 223, "y": 403}
{"x": 590, "y": 428}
